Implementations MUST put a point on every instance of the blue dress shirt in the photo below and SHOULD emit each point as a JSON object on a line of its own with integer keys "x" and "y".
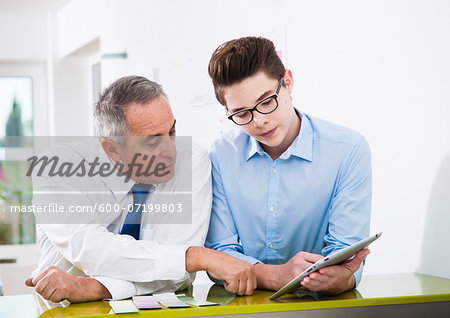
{"x": 316, "y": 197}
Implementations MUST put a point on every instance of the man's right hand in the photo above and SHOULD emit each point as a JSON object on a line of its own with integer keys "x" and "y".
{"x": 56, "y": 285}
{"x": 238, "y": 276}
{"x": 273, "y": 277}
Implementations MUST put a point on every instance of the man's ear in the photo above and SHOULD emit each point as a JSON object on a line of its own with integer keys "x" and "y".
{"x": 288, "y": 81}
{"x": 112, "y": 149}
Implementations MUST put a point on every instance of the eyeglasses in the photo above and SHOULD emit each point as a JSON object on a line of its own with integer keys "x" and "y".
{"x": 264, "y": 106}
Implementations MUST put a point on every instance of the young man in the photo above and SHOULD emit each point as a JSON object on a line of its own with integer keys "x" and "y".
{"x": 288, "y": 188}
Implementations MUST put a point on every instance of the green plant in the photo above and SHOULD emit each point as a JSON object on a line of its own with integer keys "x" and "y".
{"x": 16, "y": 189}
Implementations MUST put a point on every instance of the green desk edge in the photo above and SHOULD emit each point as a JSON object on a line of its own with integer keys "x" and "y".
{"x": 374, "y": 290}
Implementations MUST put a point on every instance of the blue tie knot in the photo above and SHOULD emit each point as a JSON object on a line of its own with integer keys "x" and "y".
{"x": 142, "y": 188}
{"x": 140, "y": 192}
{"x": 132, "y": 224}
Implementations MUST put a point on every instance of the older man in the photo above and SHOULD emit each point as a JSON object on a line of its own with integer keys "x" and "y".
{"x": 131, "y": 253}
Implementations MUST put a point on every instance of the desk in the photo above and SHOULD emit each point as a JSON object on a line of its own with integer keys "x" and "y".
{"x": 411, "y": 295}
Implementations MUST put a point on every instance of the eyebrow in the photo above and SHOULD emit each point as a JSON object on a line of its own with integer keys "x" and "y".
{"x": 260, "y": 98}
{"x": 149, "y": 138}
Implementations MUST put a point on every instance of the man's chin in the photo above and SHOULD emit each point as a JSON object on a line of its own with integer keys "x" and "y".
{"x": 165, "y": 178}
{"x": 271, "y": 143}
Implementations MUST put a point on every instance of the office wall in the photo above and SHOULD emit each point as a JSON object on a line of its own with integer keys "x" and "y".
{"x": 77, "y": 23}
{"x": 72, "y": 97}
{"x": 23, "y": 36}
{"x": 23, "y": 52}
{"x": 380, "y": 67}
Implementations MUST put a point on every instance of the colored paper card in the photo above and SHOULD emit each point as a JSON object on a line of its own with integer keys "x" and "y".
{"x": 123, "y": 306}
{"x": 145, "y": 302}
{"x": 195, "y": 302}
{"x": 169, "y": 300}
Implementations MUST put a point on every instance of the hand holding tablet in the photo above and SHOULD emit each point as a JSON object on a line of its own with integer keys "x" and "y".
{"x": 332, "y": 259}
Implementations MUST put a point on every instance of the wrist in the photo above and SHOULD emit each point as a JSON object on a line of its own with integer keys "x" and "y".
{"x": 267, "y": 276}
{"x": 352, "y": 282}
{"x": 195, "y": 259}
{"x": 95, "y": 288}
{"x": 343, "y": 287}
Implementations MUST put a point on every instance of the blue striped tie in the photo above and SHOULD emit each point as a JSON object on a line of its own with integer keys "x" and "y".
{"x": 132, "y": 225}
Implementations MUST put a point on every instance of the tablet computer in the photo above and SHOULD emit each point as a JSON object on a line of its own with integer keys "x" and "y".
{"x": 337, "y": 257}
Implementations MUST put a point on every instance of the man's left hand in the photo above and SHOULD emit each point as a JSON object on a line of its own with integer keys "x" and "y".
{"x": 56, "y": 285}
{"x": 335, "y": 279}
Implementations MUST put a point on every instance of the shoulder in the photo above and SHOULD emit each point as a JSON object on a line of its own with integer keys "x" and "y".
{"x": 233, "y": 141}
{"x": 201, "y": 166}
{"x": 199, "y": 155}
{"x": 60, "y": 153}
{"x": 326, "y": 132}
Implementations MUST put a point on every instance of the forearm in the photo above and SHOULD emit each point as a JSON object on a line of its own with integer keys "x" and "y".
{"x": 237, "y": 275}
{"x": 121, "y": 289}
{"x": 200, "y": 258}
{"x": 149, "y": 259}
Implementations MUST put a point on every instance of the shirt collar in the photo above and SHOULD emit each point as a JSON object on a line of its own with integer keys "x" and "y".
{"x": 301, "y": 147}
{"x": 253, "y": 148}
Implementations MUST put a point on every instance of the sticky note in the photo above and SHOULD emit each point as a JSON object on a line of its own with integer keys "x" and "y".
{"x": 169, "y": 300}
{"x": 145, "y": 302}
{"x": 123, "y": 306}
{"x": 195, "y": 302}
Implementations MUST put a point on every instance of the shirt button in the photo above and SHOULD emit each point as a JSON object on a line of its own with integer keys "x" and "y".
{"x": 274, "y": 170}
{"x": 270, "y": 245}
{"x": 261, "y": 154}
{"x": 271, "y": 209}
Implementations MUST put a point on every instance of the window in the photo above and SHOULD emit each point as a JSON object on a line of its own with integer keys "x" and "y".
{"x": 16, "y": 107}
{"x": 16, "y": 119}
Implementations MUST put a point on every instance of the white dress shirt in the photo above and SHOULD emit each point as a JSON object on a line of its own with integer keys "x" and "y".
{"x": 125, "y": 266}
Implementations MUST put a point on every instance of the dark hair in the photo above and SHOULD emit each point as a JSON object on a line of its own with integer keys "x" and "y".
{"x": 235, "y": 60}
{"x": 109, "y": 112}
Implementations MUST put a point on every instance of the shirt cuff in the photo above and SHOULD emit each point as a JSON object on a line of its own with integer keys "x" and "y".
{"x": 242, "y": 257}
{"x": 358, "y": 274}
{"x": 118, "y": 288}
{"x": 171, "y": 262}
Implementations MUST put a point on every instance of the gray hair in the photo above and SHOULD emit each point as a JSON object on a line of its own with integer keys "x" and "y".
{"x": 109, "y": 112}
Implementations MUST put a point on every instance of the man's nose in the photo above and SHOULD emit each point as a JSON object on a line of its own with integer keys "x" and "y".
{"x": 259, "y": 119}
{"x": 169, "y": 148}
